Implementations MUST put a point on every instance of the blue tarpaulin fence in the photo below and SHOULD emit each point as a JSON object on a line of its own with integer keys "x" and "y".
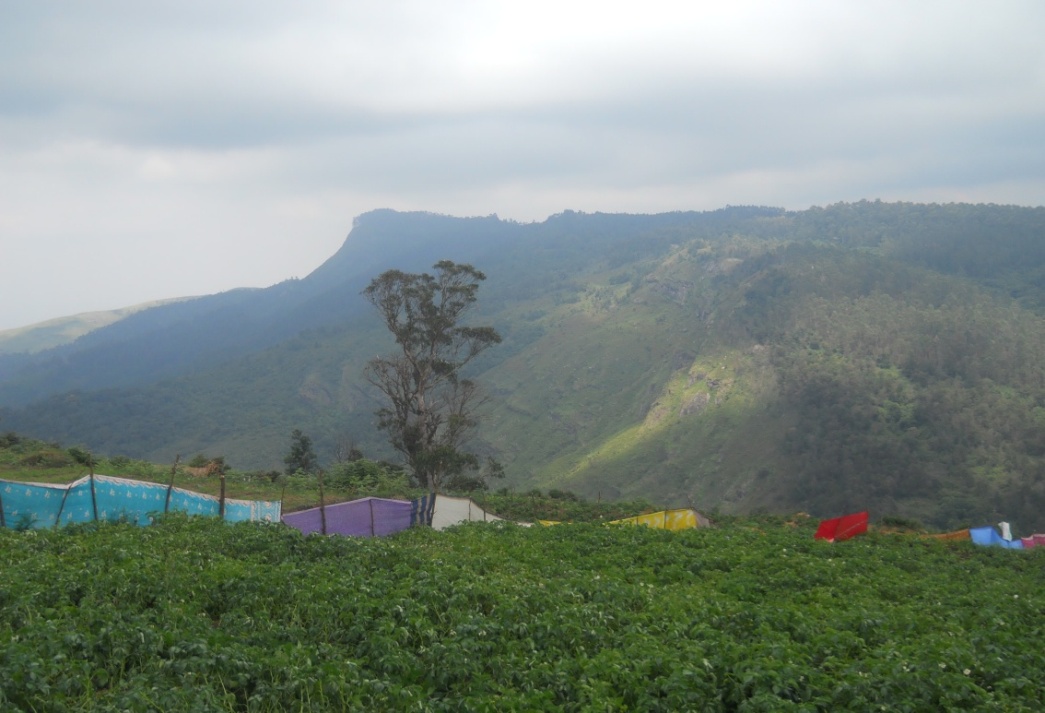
{"x": 989, "y": 537}
{"x": 103, "y": 497}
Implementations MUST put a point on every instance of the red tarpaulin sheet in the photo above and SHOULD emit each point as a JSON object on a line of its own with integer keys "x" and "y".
{"x": 842, "y": 528}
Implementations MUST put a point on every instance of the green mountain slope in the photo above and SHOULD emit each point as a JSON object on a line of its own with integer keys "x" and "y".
{"x": 820, "y": 379}
{"x": 868, "y": 355}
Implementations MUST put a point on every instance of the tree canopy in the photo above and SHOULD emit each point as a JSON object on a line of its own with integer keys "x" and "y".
{"x": 301, "y": 457}
{"x": 430, "y": 409}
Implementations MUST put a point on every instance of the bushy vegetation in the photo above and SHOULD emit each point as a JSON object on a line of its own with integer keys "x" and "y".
{"x": 193, "y": 615}
{"x": 558, "y": 506}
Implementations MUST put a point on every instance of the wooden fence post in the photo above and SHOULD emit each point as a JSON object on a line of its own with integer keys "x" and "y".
{"x": 170, "y": 486}
{"x": 58, "y": 517}
{"x": 94, "y": 499}
{"x": 322, "y": 506}
{"x": 282, "y": 494}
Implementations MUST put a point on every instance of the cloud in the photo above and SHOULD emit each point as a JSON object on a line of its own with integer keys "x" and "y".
{"x": 173, "y": 148}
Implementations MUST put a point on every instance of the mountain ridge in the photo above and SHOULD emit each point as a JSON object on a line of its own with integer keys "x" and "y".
{"x": 867, "y": 354}
{"x": 50, "y": 333}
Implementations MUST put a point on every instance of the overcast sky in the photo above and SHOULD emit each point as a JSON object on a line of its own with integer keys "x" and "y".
{"x": 160, "y": 149}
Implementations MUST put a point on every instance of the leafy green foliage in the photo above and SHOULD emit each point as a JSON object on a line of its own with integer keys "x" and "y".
{"x": 558, "y": 506}
{"x": 361, "y": 477}
{"x": 82, "y": 456}
{"x": 429, "y": 409}
{"x": 195, "y": 615}
{"x": 301, "y": 457}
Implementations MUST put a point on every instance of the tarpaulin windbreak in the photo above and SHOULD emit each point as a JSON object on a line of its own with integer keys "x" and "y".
{"x": 674, "y": 520}
{"x": 842, "y": 528}
{"x": 956, "y": 535}
{"x": 988, "y": 536}
{"x": 442, "y": 511}
{"x": 1034, "y": 540}
{"x": 103, "y": 497}
{"x": 422, "y": 510}
{"x": 32, "y": 504}
{"x": 380, "y": 516}
{"x": 366, "y": 517}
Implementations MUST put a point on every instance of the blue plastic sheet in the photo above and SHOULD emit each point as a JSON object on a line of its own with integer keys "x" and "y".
{"x": 102, "y": 497}
{"x": 989, "y": 537}
{"x": 31, "y": 504}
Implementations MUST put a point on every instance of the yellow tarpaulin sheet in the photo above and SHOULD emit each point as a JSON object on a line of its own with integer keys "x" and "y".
{"x": 674, "y": 520}
{"x": 959, "y": 535}
{"x": 680, "y": 519}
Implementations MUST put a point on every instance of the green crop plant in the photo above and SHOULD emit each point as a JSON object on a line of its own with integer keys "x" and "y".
{"x": 194, "y": 614}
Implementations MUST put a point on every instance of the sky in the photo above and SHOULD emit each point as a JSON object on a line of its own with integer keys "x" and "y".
{"x": 159, "y": 149}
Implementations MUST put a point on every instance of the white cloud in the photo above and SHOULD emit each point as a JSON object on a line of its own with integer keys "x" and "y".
{"x": 172, "y": 148}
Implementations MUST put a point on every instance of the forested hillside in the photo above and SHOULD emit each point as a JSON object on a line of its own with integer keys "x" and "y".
{"x": 867, "y": 355}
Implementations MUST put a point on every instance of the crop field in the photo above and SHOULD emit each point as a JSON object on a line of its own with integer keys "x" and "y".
{"x": 197, "y": 615}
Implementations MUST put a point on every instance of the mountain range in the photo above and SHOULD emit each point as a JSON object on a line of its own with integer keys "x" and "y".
{"x": 881, "y": 356}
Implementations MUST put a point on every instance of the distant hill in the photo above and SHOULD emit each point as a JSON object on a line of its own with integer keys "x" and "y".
{"x": 63, "y": 330}
{"x": 863, "y": 355}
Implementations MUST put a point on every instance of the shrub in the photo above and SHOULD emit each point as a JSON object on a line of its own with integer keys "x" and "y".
{"x": 198, "y": 461}
{"x": 367, "y": 477}
{"x": 82, "y": 456}
{"x": 47, "y": 458}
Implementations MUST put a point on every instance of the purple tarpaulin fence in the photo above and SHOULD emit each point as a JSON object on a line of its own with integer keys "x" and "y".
{"x": 365, "y": 517}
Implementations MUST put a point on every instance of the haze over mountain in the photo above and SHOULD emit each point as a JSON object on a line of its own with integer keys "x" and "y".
{"x": 865, "y": 355}
{"x": 62, "y": 330}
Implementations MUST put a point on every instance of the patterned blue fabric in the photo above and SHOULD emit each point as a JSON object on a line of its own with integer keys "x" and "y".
{"x": 40, "y": 505}
{"x": 422, "y": 510}
{"x": 130, "y": 500}
{"x": 193, "y": 503}
{"x": 31, "y": 504}
{"x": 78, "y": 506}
{"x": 253, "y": 510}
